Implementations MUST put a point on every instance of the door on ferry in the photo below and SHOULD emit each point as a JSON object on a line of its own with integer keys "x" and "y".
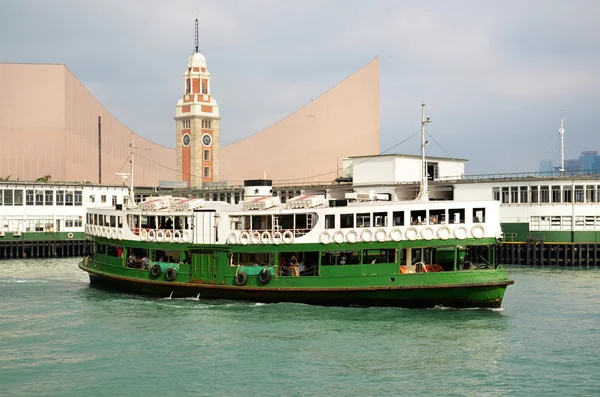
{"x": 204, "y": 266}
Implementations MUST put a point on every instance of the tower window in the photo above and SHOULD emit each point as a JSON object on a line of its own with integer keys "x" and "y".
{"x": 186, "y": 124}
{"x": 207, "y": 172}
{"x": 206, "y": 154}
{"x": 206, "y": 124}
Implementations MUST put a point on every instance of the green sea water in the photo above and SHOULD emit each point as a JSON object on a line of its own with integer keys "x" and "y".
{"x": 59, "y": 337}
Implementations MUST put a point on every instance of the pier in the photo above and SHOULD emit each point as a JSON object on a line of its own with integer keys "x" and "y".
{"x": 43, "y": 249}
{"x": 535, "y": 252}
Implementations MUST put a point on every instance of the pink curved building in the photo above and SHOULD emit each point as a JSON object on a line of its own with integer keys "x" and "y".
{"x": 49, "y": 125}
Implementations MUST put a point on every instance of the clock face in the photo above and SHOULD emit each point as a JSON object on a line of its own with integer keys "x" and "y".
{"x": 186, "y": 139}
{"x": 206, "y": 139}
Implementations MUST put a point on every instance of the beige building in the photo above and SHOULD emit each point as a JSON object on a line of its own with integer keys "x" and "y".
{"x": 50, "y": 124}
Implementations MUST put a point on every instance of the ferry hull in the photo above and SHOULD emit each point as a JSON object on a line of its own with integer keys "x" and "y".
{"x": 476, "y": 295}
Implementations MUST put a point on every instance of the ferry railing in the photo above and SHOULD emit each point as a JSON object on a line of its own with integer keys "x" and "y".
{"x": 520, "y": 175}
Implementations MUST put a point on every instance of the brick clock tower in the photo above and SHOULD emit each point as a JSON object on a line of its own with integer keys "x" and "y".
{"x": 197, "y": 119}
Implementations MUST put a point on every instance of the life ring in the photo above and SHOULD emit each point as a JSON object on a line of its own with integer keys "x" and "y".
{"x": 113, "y": 234}
{"x": 443, "y": 233}
{"x": 176, "y": 235}
{"x": 233, "y": 238}
{"x": 352, "y": 236}
{"x": 160, "y": 235}
{"x": 478, "y": 231}
{"x": 245, "y": 238}
{"x": 277, "y": 238}
{"x": 396, "y": 235}
{"x": 288, "y": 237}
{"x": 155, "y": 270}
{"x": 144, "y": 234}
{"x": 381, "y": 235}
{"x": 170, "y": 274}
{"x": 102, "y": 231}
{"x": 186, "y": 236}
{"x": 325, "y": 238}
{"x": 168, "y": 235}
{"x": 255, "y": 238}
{"x": 264, "y": 276}
{"x": 427, "y": 233}
{"x": 70, "y": 235}
{"x": 366, "y": 235}
{"x": 87, "y": 229}
{"x": 240, "y": 279}
{"x": 460, "y": 233}
{"x": 151, "y": 235}
{"x": 338, "y": 237}
{"x": 265, "y": 238}
{"x": 120, "y": 234}
{"x": 420, "y": 266}
{"x": 411, "y": 233}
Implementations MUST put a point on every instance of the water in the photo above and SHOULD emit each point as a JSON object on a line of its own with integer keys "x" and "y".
{"x": 59, "y": 337}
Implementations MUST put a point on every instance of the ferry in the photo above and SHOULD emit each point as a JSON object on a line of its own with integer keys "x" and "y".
{"x": 363, "y": 250}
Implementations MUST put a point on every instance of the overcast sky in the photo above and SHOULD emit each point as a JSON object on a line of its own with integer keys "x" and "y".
{"x": 494, "y": 74}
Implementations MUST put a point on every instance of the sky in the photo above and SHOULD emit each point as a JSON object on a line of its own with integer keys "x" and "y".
{"x": 494, "y": 75}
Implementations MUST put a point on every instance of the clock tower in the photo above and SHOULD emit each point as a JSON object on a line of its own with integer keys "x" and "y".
{"x": 197, "y": 125}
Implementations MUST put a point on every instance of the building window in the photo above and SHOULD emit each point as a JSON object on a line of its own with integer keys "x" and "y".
{"x": 496, "y": 193}
{"x": 29, "y": 197}
{"x": 207, "y": 172}
{"x": 206, "y": 154}
{"x": 78, "y": 198}
{"x": 186, "y": 124}
{"x": 590, "y": 194}
{"x": 60, "y": 197}
{"x": 534, "y": 194}
{"x": 579, "y": 194}
{"x": 103, "y": 198}
{"x": 204, "y": 87}
{"x": 514, "y": 194}
{"x": 114, "y": 200}
{"x": 69, "y": 198}
{"x": 39, "y": 197}
{"x": 92, "y": 198}
{"x": 524, "y": 194}
{"x": 505, "y": 195}
{"x": 8, "y": 197}
{"x": 49, "y": 196}
{"x": 556, "y": 195}
{"x": 544, "y": 194}
{"x": 18, "y": 197}
{"x": 567, "y": 194}
{"x": 207, "y": 124}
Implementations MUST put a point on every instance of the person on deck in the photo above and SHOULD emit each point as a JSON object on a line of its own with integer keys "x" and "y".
{"x": 293, "y": 266}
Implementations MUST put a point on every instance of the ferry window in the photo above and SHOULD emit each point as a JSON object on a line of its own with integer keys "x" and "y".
{"x": 92, "y": 198}
{"x": 505, "y": 195}
{"x": 418, "y": 217}
{"x": 379, "y": 256}
{"x": 8, "y": 197}
{"x": 556, "y": 194}
{"x": 432, "y": 170}
{"x": 39, "y": 197}
{"x": 346, "y": 221}
{"x": 334, "y": 258}
{"x": 478, "y": 215}
{"x": 590, "y": 194}
{"x": 113, "y": 222}
{"x": 329, "y": 221}
{"x": 579, "y": 194}
{"x": 380, "y": 219}
{"x": 18, "y": 197}
{"x": 457, "y": 215}
{"x": 437, "y": 216}
{"x": 49, "y": 197}
{"x": 103, "y": 198}
{"x": 534, "y": 194}
{"x": 514, "y": 194}
{"x": 96, "y": 219}
{"x": 496, "y": 193}
{"x": 544, "y": 194}
{"x": 398, "y": 218}
{"x": 68, "y": 198}
{"x": 78, "y": 197}
{"x": 29, "y": 197}
{"x": 416, "y": 255}
{"x": 363, "y": 220}
{"x": 524, "y": 194}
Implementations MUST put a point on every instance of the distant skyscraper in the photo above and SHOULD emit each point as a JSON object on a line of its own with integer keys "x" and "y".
{"x": 546, "y": 166}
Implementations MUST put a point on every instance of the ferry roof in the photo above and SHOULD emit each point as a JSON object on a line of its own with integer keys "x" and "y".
{"x": 411, "y": 156}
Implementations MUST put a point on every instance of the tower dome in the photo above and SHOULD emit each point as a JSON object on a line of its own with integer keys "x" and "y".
{"x": 197, "y": 60}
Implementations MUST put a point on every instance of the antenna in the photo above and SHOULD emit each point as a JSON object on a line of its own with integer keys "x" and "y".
{"x": 424, "y": 193}
{"x": 132, "y": 145}
{"x": 197, "y": 35}
{"x": 561, "y": 133}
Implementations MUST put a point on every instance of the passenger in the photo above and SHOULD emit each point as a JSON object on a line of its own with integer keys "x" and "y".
{"x": 255, "y": 263}
{"x": 415, "y": 222}
{"x": 434, "y": 220}
{"x": 302, "y": 266}
{"x": 293, "y": 266}
{"x": 132, "y": 259}
{"x": 144, "y": 262}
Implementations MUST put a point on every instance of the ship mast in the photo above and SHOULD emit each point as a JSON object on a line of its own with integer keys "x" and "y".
{"x": 424, "y": 193}
{"x": 132, "y": 145}
{"x": 561, "y": 133}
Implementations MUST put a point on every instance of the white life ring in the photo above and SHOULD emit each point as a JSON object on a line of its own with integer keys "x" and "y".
{"x": 151, "y": 235}
{"x": 168, "y": 235}
{"x": 288, "y": 237}
{"x": 255, "y": 239}
{"x": 325, "y": 238}
{"x": 186, "y": 237}
{"x": 144, "y": 234}
{"x": 104, "y": 231}
{"x": 366, "y": 235}
{"x": 96, "y": 230}
{"x": 245, "y": 238}
{"x": 338, "y": 237}
{"x": 277, "y": 238}
{"x": 176, "y": 235}
{"x": 233, "y": 238}
{"x": 381, "y": 235}
{"x": 443, "y": 233}
{"x": 160, "y": 235}
{"x": 460, "y": 233}
{"x": 120, "y": 234}
{"x": 265, "y": 238}
{"x": 352, "y": 236}
{"x": 411, "y": 233}
{"x": 113, "y": 234}
{"x": 478, "y": 231}
{"x": 70, "y": 235}
{"x": 396, "y": 235}
{"x": 427, "y": 233}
